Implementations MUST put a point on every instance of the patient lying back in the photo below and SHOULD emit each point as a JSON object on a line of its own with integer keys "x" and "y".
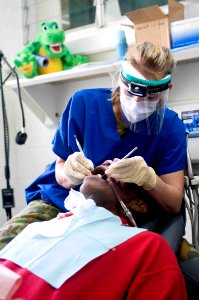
{"x": 107, "y": 193}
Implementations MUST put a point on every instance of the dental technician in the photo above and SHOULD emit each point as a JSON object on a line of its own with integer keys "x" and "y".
{"x": 108, "y": 124}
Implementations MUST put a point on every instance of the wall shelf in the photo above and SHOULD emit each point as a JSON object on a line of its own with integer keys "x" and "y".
{"x": 186, "y": 53}
{"x": 79, "y": 72}
{"x": 51, "y": 92}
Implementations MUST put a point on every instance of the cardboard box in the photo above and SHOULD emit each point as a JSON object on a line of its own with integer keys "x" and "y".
{"x": 185, "y": 33}
{"x": 152, "y": 25}
{"x": 176, "y": 11}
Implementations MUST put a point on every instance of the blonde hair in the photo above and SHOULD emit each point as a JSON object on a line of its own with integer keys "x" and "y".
{"x": 152, "y": 61}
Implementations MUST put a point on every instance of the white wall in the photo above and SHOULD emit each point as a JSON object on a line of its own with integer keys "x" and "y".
{"x": 10, "y": 22}
{"x": 29, "y": 160}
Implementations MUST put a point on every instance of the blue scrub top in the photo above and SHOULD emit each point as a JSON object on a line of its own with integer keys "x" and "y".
{"x": 89, "y": 115}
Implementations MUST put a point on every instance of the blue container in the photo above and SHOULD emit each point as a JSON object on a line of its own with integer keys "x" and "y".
{"x": 185, "y": 33}
{"x": 121, "y": 45}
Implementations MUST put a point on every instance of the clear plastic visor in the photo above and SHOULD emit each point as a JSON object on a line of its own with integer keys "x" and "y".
{"x": 143, "y": 114}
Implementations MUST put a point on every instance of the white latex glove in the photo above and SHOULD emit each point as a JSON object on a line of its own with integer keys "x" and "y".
{"x": 77, "y": 167}
{"x": 133, "y": 170}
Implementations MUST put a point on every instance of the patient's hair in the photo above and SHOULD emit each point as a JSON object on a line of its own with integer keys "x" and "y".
{"x": 151, "y": 60}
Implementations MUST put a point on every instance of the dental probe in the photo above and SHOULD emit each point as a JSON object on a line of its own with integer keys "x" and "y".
{"x": 128, "y": 154}
{"x": 78, "y": 144}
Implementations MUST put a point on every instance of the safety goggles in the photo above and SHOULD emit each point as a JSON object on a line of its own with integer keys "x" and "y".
{"x": 139, "y": 86}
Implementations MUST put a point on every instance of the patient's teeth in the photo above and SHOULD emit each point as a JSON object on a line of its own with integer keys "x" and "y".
{"x": 100, "y": 175}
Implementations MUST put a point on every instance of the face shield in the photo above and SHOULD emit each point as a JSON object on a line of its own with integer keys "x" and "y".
{"x": 143, "y": 101}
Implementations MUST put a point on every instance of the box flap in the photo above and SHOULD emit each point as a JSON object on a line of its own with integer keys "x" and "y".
{"x": 176, "y": 11}
{"x": 146, "y": 14}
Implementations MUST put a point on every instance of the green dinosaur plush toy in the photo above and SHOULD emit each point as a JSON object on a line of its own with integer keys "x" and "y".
{"x": 47, "y": 54}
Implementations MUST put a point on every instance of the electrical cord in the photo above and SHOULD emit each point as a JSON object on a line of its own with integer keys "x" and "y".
{"x": 6, "y": 138}
{"x": 7, "y": 193}
{"x": 14, "y": 73}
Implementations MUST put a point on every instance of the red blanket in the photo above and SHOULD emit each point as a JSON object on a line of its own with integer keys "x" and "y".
{"x": 144, "y": 267}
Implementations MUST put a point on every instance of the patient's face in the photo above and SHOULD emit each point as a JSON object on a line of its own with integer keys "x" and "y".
{"x": 103, "y": 190}
{"x": 98, "y": 188}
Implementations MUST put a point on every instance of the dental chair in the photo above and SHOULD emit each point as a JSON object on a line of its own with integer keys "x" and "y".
{"x": 173, "y": 229}
{"x": 191, "y": 196}
{"x": 190, "y": 267}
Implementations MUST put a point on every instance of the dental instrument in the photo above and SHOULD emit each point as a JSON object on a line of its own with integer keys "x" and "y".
{"x": 131, "y": 152}
{"x": 78, "y": 144}
{"x": 128, "y": 213}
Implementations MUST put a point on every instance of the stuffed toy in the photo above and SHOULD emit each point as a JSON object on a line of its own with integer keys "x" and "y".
{"x": 47, "y": 54}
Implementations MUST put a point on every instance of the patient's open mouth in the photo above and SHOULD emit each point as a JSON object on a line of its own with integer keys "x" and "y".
{"x": 100, "y": 171}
